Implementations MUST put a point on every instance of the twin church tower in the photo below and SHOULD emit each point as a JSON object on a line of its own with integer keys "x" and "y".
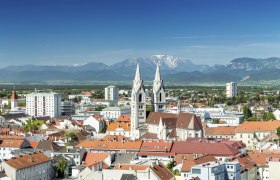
{"x": 138, "y": 101}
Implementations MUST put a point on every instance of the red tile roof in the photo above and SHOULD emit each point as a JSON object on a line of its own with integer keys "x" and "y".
{"x": 258, "y": 158}
{"x": 109, "y": 145}
{"x": 115, "y": 138}
{"x": 156, "y": 146}
{"x": 93, "y": 158}
{"x": 187, "y": 164}
{"x": 182, "y": 120}
{"x": 245, "y": 161}
{"x": 27, "y": 161}
{"x": 221, "y": 130}
{"x": 211, "y": 148}
{"x": 162, "y": 172}
{"x": 131, "y": 167}
{"x": 16, "y": 143}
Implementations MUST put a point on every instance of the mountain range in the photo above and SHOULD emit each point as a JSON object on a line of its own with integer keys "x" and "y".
{"x": 174, "y": 70}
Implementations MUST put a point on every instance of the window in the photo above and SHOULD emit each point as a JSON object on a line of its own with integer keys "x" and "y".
{"x": 196, "y": 171}
{"x": 140, "y": 97}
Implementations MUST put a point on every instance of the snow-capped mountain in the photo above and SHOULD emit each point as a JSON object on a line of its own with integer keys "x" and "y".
{"x": 174, "y": 69}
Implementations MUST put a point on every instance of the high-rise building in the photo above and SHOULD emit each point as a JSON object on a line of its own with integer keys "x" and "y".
{"x": 158, "y": 96}
{"x": 138, "y": 104}
{"x": 231, "y": 89}
{"x": 43, "y": 104}
{"x": 112, "y": 93}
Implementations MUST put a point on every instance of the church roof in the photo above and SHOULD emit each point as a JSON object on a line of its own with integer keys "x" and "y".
{"x": 182, "y": 120}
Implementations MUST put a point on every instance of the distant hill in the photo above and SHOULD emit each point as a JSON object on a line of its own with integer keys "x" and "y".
{"x": 173, "y": 69}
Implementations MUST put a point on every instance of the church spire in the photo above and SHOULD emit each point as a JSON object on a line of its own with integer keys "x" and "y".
{"x": 137, "y": 73}
{"x": 158, "y": 97}
{"x": 157, "y": 76}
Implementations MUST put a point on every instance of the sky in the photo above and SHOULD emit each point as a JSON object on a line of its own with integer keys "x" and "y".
{"x": 54, "y": 32}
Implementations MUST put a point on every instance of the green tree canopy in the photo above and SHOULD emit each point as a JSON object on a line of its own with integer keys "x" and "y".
{"x": 60, "y": 167}
{"x": 247, "y": 112}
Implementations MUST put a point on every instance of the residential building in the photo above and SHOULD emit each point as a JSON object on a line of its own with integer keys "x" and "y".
{"x": 43, "y": 104}
{"x": 32, "y": 167}
{"x": 156, "y": 171}
{"x": 276, "y": 114}
{"x": 213, "y": 171}
{"x": 115, "y": 112}
{"x": 67, "y": 108}
{"x": 117, "y": 128}
{"x": 252, "y": 133}
{"x": 231, "y": 89}
{"x": 112, "y": 93}
{"x": 227, "y": 132}
{"x": 11, "y": 144}
{"x": 96, "y": 122}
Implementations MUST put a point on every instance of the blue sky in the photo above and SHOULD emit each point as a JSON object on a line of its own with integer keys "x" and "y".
{"x": 80, "y": 31}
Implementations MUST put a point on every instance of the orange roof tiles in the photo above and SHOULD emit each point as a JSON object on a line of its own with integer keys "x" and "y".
{"x": 17, "y": 143}
{"x": 26, "y": 161}
{"x": 93, "y": 158}
{"x": 33, "y": 144}
{"x": 221, "y": 130}
{"x": 187, "y": 164}
{"x": 252, "y": 126}
{"x": 258, "y": 158}
{"x": 115, "y": 125}
{"x": 124, "y": 118}
{"x": 131, "y": 167}
{"x": 115, "y": 138}
{"x": 245, "y": 161}
{"x": 109, "y": 145}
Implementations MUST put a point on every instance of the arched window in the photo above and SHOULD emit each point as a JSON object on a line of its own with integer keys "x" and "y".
{"x": 159, "y": 97}
{"x": 140, "y": 97}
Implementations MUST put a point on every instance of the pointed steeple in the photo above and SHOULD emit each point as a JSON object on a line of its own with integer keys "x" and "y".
{"x": 137, "y": 74}
{"x": 14, "y": 94}
{"x": 158, "y": 76}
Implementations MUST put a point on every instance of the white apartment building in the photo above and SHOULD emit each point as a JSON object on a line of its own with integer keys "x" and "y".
{"x": 214, "y": 171}
{"x": 231, "y": 89}
{"x": 115, "y": 112}
{"x": 112, "y": 93}
{"x": 43, "y": 104}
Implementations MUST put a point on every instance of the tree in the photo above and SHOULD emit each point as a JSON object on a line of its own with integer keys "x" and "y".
{"x": 71, "y": 136}
{"x": 32, "y": 125}
{"x": 247, "y": 112}
{"x": 278, "y": 131}
{"x": 268, "y": 116}
{"x": 60, "y": 167}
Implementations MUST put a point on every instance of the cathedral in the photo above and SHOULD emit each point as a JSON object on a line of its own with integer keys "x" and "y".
{"x": 159, "y": 125}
